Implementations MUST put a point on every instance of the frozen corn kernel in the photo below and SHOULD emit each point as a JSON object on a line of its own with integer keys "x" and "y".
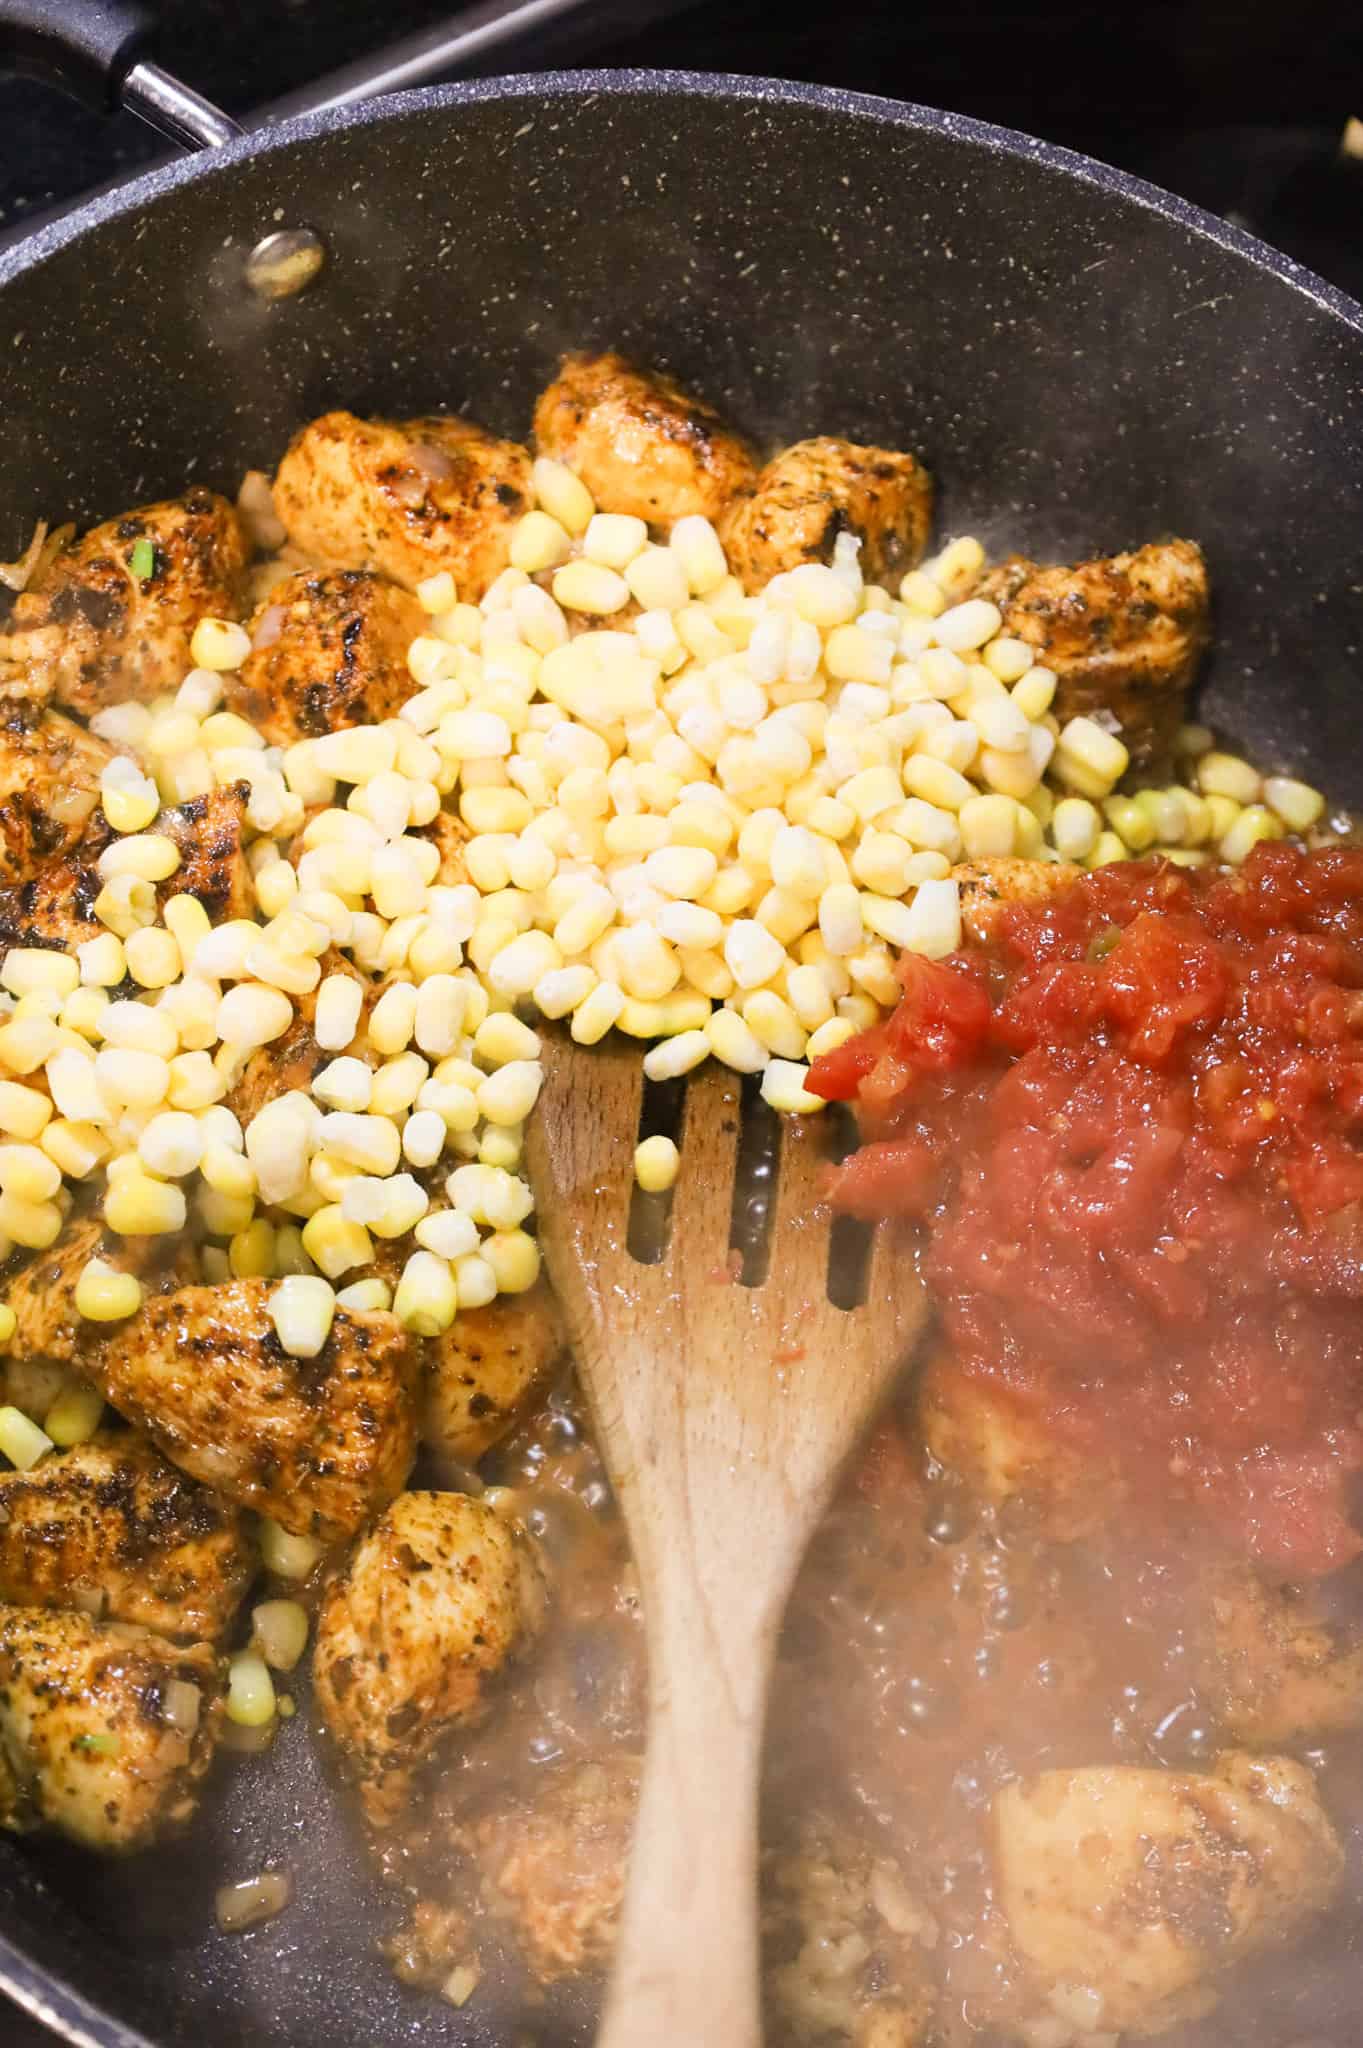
{"x": 104, "y": 1295}
{"x": 21, "y": 1441}
{"x": 1075, "y": 825}
{"x": 502, "y": 1038}
{"x": 251, "y": 1699}
{"x": 934, "y": 927}
{"x": 656, "y": 1164}
{"x": 514, "y": 1258}
{"x": 1130, "y": 822}
{"x": 539, "y": 542}
{"x": 302, "y": 1309}
{"x": 677, "y": 1055}
{"x": 373, "y": 1144}
{"x": 74, "y": 1416}
{"x": 830, "y": 1036}
{"x": 366, "y": 1297}
{"x": 252, "y": 1252}
{"x": 595, "y": 1014}
{"x": 288, "y": 1556}
{"x": 29, "y": 969}
{"x": 1109, "y": 847}
{"x": 1227, "y": 775}
{"x": 138, "y": 1206}
{"x": 561, "y": 494}
{"x": 1088, "y": 759}
{"x": 28, "y": 1174}
{"x": 253, "y": 1014}
{"x": 583, "y": 586}
{"x": 1255, "y": 823}
{"x": 335, "y": 1244}
{"x": 508, "y": 1095}
{"x": 426, "y": 1296}
{"x": 172, "y": 1144}
{"x": 613, "y": 539}
{"x": 783, "y": 1087}
{"x": 153, "y": 958}
{"x": 1296, "y": 803}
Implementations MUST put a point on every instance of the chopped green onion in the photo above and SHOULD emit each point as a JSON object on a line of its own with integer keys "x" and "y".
{"x": 101, "y": 1745}
{"x": 142, "y": 560}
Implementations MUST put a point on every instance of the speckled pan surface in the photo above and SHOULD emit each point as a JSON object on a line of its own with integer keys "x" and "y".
{"x": 1083, "y": 361}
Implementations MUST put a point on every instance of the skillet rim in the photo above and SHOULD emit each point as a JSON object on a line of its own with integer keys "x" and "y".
{"x": 109, "y": 206}
{"x": 46, "y": 1997}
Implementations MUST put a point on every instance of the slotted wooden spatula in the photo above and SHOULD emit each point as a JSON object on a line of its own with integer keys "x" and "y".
{"x": 725, "y": 1413}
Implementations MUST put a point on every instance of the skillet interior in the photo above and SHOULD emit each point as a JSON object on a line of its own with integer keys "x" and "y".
{"x": 1082, "y": 362}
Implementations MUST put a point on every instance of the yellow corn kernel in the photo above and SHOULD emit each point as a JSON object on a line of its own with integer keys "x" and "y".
{"x": 830, "y": 1036}
{"x": 1227, "y": 775}
{"x": 562, "y": 494}
{"x": 74, "y": 1416}
{"x": 104, "y": 1295}
{"x": 76, "y": 1148}
{"x": 138, "y": 1206}
{"x": 126, "y": 904}
{"x": 1088, "y": 759}
{"x": 23, "y": 1111}
{"x": 1296, "y": 803}
{"x": 29, "y": 969}
{"x": 334, "y": 1244}
{"x": 514, "y": 1258}
{"x": 26, "y": 1171}
{"x": 1254, "y": 823}
{"x": 302, "y": 1309}
{"x": 32, "y": 1224}
{"x": 656, "y": 1165}
{"x": 153, "y": 957}
{"x": 21, "y": 1441}
{"x": 1107, "y": 848}
{"x": 1132, "y": 824}
{"x": 426, "y": 1296}
{"x": 251, "y": 1253}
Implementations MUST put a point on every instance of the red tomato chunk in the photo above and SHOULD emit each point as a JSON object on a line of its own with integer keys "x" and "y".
{"x": 1135, "y": 1123}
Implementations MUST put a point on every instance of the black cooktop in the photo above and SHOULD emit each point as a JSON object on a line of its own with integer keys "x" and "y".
{"x": 1236, "y": 104}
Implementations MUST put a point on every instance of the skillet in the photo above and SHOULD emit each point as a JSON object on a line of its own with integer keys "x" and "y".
{"x": 1084, "y": 362}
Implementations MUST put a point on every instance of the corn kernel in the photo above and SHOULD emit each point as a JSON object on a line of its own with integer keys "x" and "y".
{"x": 1254, "y": 823}
{"x": 251, "y": 1253}
{"x": 783, "y": 1087}
{"x": 593, "y": 1018}
{"x": 656, "y": 1164}
{"x": 562, "y": 495}
{"x": 104, "y": 1295}
{"x": 334, "y": 1244}
{"x": 74, "y": 1416}
{"x": 302, "y": 1309}
{"x": 426, "y": 1296}
{"x": 1296, "y": 803}
{"x": 138, "y": 1206}
{"x": 21, "y": 1441}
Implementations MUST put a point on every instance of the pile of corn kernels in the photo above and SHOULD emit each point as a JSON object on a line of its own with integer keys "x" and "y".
{"x": 709, "y": 820}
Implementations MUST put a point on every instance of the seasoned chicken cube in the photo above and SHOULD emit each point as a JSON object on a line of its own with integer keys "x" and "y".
{"x": 49, "y": 785}
{"x": 112, "y": 616}
{"x": 48, "y": 1331}
{"x": 1124, "y": 635}
{"x": 327, "y": 651}
{"x": 987, "y": 885}
{"x": 819, "y": 489}
{"x": 845, "y": 1945}
{"x": 640, "y": 443}
{"x": 406, "y": 498}
{"x": 105, "y": 1730}
{"x": 552, "y": 1863}
{"x": 1275, "y": 1671}
{"x": 317, "y": 1444}
{"x": 55, "y": 905}
{"x": 109, "y": 1527}
{"x": 437, "y": 1600}
{"x": 488, "y": 1370}
{"x": 1142, "y": 1886}
{"x": 987, "y": 1437}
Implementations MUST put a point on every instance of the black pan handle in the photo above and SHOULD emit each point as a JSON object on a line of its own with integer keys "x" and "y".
{"x": 95, "y": 50}
{"x": 87, "y": 47}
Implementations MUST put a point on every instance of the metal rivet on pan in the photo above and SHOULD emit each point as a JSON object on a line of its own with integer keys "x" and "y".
{"x": 285, "y": 263}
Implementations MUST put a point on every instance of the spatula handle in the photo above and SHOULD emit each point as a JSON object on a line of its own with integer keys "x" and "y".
{"x": 686, "y": 1966}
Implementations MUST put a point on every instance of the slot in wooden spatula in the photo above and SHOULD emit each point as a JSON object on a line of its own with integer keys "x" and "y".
{"x": 725, "y": 1413}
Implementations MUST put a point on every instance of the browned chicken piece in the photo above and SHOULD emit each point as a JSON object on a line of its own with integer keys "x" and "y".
{"x": 987, "y": 885}
{"x": 1275, "y": 1671}
{"x": 327, "y": 651}
{"x": 49, "y": 785}
{"x": 488, "y": 1370}
{"x": 105, "y": 1730}
{"x": 982, "y": 1433}
{"x": 1140, "y": 1887}
{"x": 110, "y": 1528}
{"x": 1124, "y": 635}
{"x": 552, "y": 1863}
{"x": 640, "y": 443}
{"x": 846, "y": 1945}
{"x": 295, "y": 1060}
{"x": 450, "y": 836}
{"x": 438, "y": 1599}
{"x": 94, "y": 631}
{"x": 406, "y": 498}
{"x": 48, "y": 1331}
{"x": 55, "y": 905}
{"x": 811, "y": 493}
{"x": 318, "y": 1444}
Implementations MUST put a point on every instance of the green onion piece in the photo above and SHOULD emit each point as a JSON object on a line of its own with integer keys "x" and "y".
{"x": 102, "y": 1745}
{"x": 142, "y": 560}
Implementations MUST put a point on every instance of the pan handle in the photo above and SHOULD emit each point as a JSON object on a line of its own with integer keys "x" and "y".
{"x": 94, "y": 49}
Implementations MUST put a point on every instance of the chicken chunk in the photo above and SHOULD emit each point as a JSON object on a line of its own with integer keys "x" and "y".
{"x": 987, "y": 885}
{"x": 1141, "y": 1886}
{"x": 437, "y": 1600}
{"x": 552, "y": 1864}
{"x": 640, "y": 443}
{"x": 846, "y": 1945}
{"x": 55, "y": 905}
{"x": 327, "y": 651}
{"x": 109, "y": 1526}
{"x": 49, "y": 785}
{"x": 48, "y": 1331}
{"x": 818, "y": 489}
{"x": 1276, "y": 1672}
{"x": 112, "y": 616}
{"x": 987, "y": 1437}
{"x": 488, "y": 1370}
{"x": 406, "y": 498}
{"x": 105, "y": 1730}
{"x": 318, "y": 1444}
{"x": 1124, "y": 635}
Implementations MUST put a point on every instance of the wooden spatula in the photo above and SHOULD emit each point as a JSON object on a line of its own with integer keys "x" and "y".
{"x": 725, "y": 1413}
